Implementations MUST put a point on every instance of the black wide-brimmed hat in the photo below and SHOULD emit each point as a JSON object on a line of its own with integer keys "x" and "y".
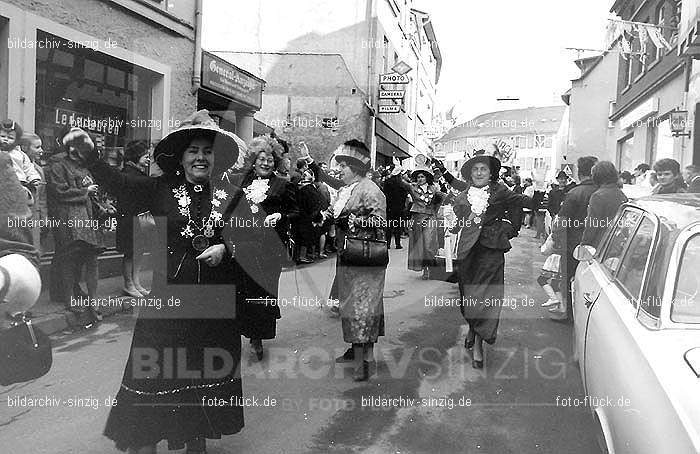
{"x": 354, "y": 152}
{"x": 425, "y": 171}
{"x": 493, "y": 162}
{"x": 226, "y": 145}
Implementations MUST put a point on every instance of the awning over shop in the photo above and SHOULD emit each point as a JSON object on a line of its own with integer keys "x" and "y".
{"x": 390, "y": 143}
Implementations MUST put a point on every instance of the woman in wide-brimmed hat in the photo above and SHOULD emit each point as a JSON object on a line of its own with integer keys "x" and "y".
{"x": 484, "y": 239}
{"x": 186, "y": 344}
{"x": 360, "y": 211}
{"x": 423, "y": 231}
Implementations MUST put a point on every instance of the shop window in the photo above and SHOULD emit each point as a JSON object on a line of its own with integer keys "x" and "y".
{"x": 93, "y": 71}
{"x": 108, "y": 97}
{"x": 626, "y": 157}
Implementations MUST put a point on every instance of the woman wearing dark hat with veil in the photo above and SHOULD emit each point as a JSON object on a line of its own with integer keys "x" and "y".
{"x": 185, "y": 352}
{"x": 484, "y": 239}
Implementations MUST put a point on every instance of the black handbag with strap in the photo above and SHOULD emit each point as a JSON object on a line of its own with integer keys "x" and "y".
{"x": 364, "y": 252}
{"x": 25, "y": 352}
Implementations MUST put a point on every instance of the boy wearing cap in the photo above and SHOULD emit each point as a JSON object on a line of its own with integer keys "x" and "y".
{"x": 10, "y": 135}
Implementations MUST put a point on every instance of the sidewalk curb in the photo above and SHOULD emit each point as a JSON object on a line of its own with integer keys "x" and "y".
{"x": 58, "y": 321}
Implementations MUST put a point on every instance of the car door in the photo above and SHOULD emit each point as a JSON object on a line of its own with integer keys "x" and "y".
{"x": 622, "y": 386}
{"x": 594, "y": 276}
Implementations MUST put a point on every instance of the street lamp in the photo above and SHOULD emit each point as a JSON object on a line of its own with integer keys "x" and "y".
{"x": 679, "y": 121}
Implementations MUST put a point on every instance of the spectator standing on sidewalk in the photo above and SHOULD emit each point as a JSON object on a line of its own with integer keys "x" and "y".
{"x": 604, "y": 202}
{"x": 692, "y": 178}
{"x": 567, "y": 229}
{"x": 78, "y": 243}
{"x": 668, "y": 174}
{"x": 31, "y": 145}
{"x": 130, "y": 239}
{"x": 396, "y": 194}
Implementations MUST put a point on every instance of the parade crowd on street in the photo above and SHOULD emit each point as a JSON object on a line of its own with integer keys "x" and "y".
{"x": 232, "y": 216}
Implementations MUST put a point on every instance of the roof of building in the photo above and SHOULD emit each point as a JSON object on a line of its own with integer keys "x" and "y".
{"x": 541, "y": 120}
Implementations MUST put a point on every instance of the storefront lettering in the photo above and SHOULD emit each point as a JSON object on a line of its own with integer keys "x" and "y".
{"x": 242, "y": 81}
{"x": 107, "y": 125}
{"x": 230, "y": 81}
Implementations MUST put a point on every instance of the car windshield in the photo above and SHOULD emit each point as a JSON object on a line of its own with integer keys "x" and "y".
{"x": 686, "y": 303}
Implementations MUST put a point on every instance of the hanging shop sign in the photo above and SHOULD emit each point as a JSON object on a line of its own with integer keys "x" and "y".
{"x": 391, "y": 94}
{"x": 226, "y": 79}
{"x": 390, "y": 108}
{"x": 393, "y": 78}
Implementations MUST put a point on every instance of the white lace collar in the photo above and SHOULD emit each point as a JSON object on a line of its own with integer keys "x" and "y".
{"x": 343, "y": 196}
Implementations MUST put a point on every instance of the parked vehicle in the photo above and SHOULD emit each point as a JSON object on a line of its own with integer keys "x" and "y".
{"x": 637, "y": 327}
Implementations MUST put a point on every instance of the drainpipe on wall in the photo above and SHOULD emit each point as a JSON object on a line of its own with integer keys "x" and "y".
{"x": 197, "y": 69}
{"x": 370, "y": 94}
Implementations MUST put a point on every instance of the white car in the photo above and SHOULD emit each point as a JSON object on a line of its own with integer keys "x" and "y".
{"x": 637, "y": 327}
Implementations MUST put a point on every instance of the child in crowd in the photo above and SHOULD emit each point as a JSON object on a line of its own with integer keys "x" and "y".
{"x": 32, "y": 146}
{"x": 10, "y": 135}
{"x": 551, "y": 279}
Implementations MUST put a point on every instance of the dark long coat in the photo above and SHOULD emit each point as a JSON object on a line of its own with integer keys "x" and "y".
{"x": 259, "y": 252}
{"x": 195, "y": 321}
{"x": 480, "y": 253}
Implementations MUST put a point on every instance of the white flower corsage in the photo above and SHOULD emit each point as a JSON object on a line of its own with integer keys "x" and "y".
{"x": 478, "y": 199}
{"x": 256, "y": 193}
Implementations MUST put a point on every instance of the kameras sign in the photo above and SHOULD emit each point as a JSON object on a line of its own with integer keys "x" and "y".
{"x": 224, "y": 78}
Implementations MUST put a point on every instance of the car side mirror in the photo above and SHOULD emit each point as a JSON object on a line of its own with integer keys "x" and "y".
{"x": 584, "y": 253}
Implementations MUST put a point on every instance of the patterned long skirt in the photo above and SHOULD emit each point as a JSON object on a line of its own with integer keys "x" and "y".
{"x": 422, "y": 241}
{"x": 361, "y": 295}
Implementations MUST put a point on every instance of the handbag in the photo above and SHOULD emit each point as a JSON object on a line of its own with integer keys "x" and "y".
{"x": 25, "y": 353}
{"x": 364, "y": 252}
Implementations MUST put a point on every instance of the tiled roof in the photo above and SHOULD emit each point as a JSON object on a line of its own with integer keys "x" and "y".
{"x": 540, "y": 120}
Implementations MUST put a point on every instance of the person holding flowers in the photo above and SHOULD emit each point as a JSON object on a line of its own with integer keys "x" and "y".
{"x": 485, "y": 233}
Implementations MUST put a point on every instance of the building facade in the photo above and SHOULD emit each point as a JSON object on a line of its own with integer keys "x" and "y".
{"x": 590, "y": 100}
{"x": 651, "y": 84}
{"x": 530, "y": 133}
{"x": 122, "y": 70}
{"x": 689, "y": 48}
{"x": 322, "y": 74}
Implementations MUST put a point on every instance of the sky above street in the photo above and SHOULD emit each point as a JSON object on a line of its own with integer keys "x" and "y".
{"x": 511, "y": 48}
{"x": 491, "y": 49}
